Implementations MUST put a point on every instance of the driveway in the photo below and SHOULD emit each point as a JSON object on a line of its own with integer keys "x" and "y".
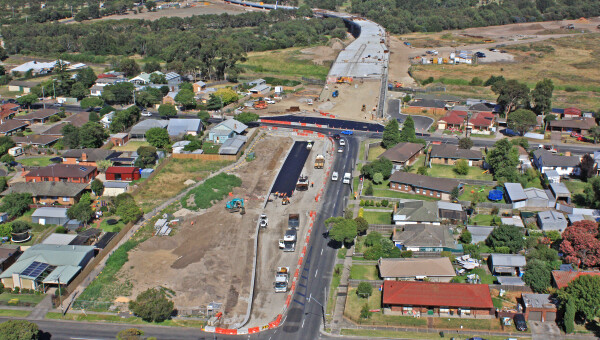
{"x": 544, "y": 330}
{"x": 422, "y": 123}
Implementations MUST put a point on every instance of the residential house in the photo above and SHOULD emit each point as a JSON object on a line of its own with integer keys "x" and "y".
{"x": 562, "y": 278}
{"x": 545, "y": 160}
{"x": 37, "y": 67}
{"x": 112, "y": 189}
{"x": 403, "y": 154}
{"x": 551, "y": 220}
{"x": 122, "y": 173}
{"x": 434, "y": 269}
{"x": 143, "y": 78}
{"x": 87, "y": 156}
{"x": 35, "y": 140}
{"x": 515, "y": 195}
{"x": 181, "y": 127}
{"x": 226, "y": 129}
{"x": 39, "y": 116}
{"x": 507, "y": 264}
{"x": 431, "y": 106}
{"x": 8, "y": 111}
{"x": 571, "y": 112}
{"x": 416, "y": 212}
{"x": 119, "y": 139}
{"x": 59, "y": 239}
{"x": 425, "y": 238}
{"x": 20, "y": 86}
{"x": 572, "y": 218}
{"x": 552, "y": 176}
{"x": 51, "y": 193}
{"x": 199, "y": 86}
{"x": 484, "y": 106}
{"x": 479, "y": 233}
{"x": 78, "y": 119}
{"x": 453, "y": 120}
{"x": 96, "y": 90}
{"x": 106, "y": 120}
{"x": 62, "y": 173}
{"x": 173, "y": 81}
{"x": 450, "y": 154}
{"x": 8, "y": 255}
{"x": 233, "y": 145}
{"x": 47, "y": 265}
{"x": 139, "y": 130}
{"x": 580, "y": 125}
{"x": 257, "y": 82}
{"x": 560, "y": 192}
{"x": 437, "y": 299}
{"x": 539, "y": 307}
{"x": 424, "y": 185}
{"x": 170, "y": 98}
{"x": 11, "y": 127}
{"x": 481, "y": 123}
{"x": 50, "y": 215}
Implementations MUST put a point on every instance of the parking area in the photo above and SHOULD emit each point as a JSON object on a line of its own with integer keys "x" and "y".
{"x": 422, "y": 123}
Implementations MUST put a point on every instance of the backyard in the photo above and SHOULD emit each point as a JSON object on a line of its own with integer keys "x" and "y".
{"x": 485, "y": 276}
{"x": 382, "y": 190}
{"x": 374, "y": 152}
{"x": 130, "y": 146}
{"x": 447, "y": 171}
{"x": 378, "y": 217}
{"x": 364, "y": 272}
{"x": 35, "y": 161}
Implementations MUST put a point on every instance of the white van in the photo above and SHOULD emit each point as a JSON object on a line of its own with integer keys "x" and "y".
{"x": 15, "y": 151}
{"x": 347, "y": 178}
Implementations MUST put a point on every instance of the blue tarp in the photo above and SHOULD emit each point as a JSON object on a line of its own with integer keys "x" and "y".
{"x": 495, "y": 195}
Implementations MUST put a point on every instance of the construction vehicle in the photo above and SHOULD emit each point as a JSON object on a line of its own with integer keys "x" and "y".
{"x": 285, "y": 200}
{"x": 319, "y": 162}
{"x": 260, "y": 104}
{"x": 293, "y": 221}
{"x": 335, "y": 94}
{"x": 282, "y": 278}
{"x": 235, "y": 205}
{"x": 302, "y": 184}
{"x": 310, "y": 144}
{"x": 341, "y": 80}
{"x": 263, "y": 221}
{"x": 288, "y": 243}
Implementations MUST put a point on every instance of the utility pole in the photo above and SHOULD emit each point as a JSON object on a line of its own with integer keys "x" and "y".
{"x": 54, "y": 88}
{"x": 322, "y": 309}
{"x": 60, "y": 297}
{"x": 43, "y": 96}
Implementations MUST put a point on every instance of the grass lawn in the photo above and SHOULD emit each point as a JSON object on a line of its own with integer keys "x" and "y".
{"x": 363, "y": 272}
{"x": 211, "y": 148}
{"x": 375, "y": 217}
{"x": 374, "y": 152}
{"x": 36, "y": 161}
{"x": 480, "y": 193}
{"x": 283, "y": 62}
{"x": 576, "y": 188}
{"x": 447, "y": 171}
{"x": 131, "y": 146}
{"x": 409, "y": 335}
{"x": 486, "y": 278}
{"x": 482, "y": 219}
{"x": 110, "y": 228}
{"x": 341, "y": 253}
{"x": 22, "y": 298}
{"x": 354, "y": 303}
{"x": 397, "y": 194}
{"x": 14, "y": 313}
{"x": 118, "y": 319}
{"x": 476, "y": 324}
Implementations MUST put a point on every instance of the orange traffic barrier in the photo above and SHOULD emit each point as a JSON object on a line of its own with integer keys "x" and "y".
{"x": 253, "y": 330}
{"x": 288, "y": 300}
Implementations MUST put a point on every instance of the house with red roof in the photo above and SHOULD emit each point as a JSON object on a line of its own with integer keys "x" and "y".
{"x": 453, "y": 120}
{"x": 562, "y": 278}
{"x": 482, "y": 123}
{"x": 437, "y": 299}
{"x": 571, "y": 112}
{"x": 123, "y": 173}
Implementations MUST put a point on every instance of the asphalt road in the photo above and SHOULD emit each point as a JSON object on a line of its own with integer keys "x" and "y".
{"x": 332, "y": 123}
{"x": 291, "y": 169}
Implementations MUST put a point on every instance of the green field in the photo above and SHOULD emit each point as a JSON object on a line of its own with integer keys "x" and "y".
{"x": 33, "y": 299}
{"x": 447, "y": 171}
{"x": 374, "y": 152}
{"x": 482, "y": 219}
{"x": 284, "y": 62}
{"x": 375, "y": 217}
{"x": 14, "y": 313}
{"x": 36, "y": 161}
{"x": 378, "y": 333}
{"x": 364, "y": 272}
{"x": 335, "y": 282}
{"x": 111, "y": 228}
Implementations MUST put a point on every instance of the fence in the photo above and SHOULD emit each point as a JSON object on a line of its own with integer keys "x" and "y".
{"x": 217, "y": 157}
{"x": 511, "y": 288}
{"x": 312, "y": 81}
{"x": 375, "y": 283}
{"x": 386, "y": 228}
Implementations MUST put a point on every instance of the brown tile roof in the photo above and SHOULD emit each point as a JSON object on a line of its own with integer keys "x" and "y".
{"x": 454, "y": 152}
{"x": 39, "y": 114}
{"x": 436, "y": 294}
{"x": 35, "y": 139}
{"x": 11, "y": 125}
{"x": 576, "y": 123}
{"x": 92, "y": 155}
{"x": 402, "y": 152}
{"x": 78, "y": 119}
{"x": 437, "y": 266}
{"x": 55, "y": 130}
{"x": 62, "y": 170}
{"x": 562, "y": 278}
{"x": 425, "y": 182}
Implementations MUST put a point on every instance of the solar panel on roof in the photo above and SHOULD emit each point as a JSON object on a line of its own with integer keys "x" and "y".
{"x": 35, "y": 269}
{"x": 82, "y": 168}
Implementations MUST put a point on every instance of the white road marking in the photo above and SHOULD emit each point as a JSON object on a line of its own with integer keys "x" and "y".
{"x": 321, "y": 251}
{"x": 303, "y": 323}
{"x": 316, "y": 272}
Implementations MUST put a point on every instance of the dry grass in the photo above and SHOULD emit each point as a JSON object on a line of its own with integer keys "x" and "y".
{"x": 131, "y": 146}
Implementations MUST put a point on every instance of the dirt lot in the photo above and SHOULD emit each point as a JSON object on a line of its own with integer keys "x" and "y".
{"x": 399, "y": 63}
{"x": 210, "y": 260}
{"x": 351, "y": 99}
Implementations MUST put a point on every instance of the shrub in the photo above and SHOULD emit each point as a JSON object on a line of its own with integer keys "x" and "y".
{"x": 364, "y": 290}
{"x": 377, "y": 204}
{"x": 406, "y": 254}
{"x": 385, "y": 203}
{"x": 361, "y": 213}
{"x": 364, "y": 312}
{"x": 369, "y": 190}
{"x": 362, "y": 203}
{"x": 60, "y": 230}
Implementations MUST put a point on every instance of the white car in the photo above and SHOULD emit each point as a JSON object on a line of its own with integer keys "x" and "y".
{"x": 269, "y": 101}
{"x": 341, "y": 149}
{"x": 146, "y": 114}
{"x": 342, "y": 142}
{"x": 334, "y": 176}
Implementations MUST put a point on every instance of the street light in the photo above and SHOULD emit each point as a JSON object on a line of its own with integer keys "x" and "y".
{"x": 322, "y": 309}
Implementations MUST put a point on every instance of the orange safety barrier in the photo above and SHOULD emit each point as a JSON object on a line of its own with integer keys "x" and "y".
{"x": 297, "y": 273}
{"x": 293, "y": 287}
{"x": 278, "y": 319}
{"x": 307, "y": 238}
{"x": 253, "y": 330}
{"x": 288, "y": 300}
{"x": 300, "y": 262}
{"x": 220, "y": 330}
{"x": 304, "y": 250}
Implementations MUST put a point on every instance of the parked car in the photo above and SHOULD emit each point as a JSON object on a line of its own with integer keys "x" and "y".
{"x": 336, "y": 136}
{"x": 334, "y": 176}
{"x": 269, "y": 101}
{"x": 480, "y": 54}
{"x": 520, "y": 322}
{"x": 347, "y": 132}
{"x": 575, "y": 134}
{"x": 583, "y": 139}
{"x": 146, "y": 114}
{"x": 335, "y": 94}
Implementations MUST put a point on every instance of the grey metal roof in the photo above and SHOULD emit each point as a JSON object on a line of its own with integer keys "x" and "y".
{"x": 538, "y": 301}
{"x": 549, "y": 159}
{"x": 551, "y": 216}
{"x": 560, "y": 189}
{"x": 110, "y": 184}
{"x": 479, "y": 233}
{"x": 449, "y": 206}
{"x": 55, "y": 238}
{"x": 232, "y": 145}
{"x": 142, "y": 127}
{"x": 260, "y": 88}
{"x": 515, "y": 191}
{"x": 171, "y": 75}
{"x": 50, "y": 212}
{"x": 509, "y": 260}
{"x": 178, "y": 127}
{"x": 232, "y": 124}
{"x": 510, "y": 281}
{"x": 538, "y": 193}
{"x": 551, "y": 173}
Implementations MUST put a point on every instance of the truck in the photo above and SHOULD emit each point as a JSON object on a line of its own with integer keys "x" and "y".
{"x": 282, "y": 277}
{"x": 302, "y": 184}
{"x": 293, "y": 221}
{"x": 347, "y": 178}
{"x": 15, "y": 151}
{"x": 319, "y": 162}
{"x": 288, "y": 243}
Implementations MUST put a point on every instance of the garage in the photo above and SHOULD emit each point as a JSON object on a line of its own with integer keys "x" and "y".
{"x": 535, "y": 316}
{"x": 539, "y": 307}
{"x": 551, "y": 316}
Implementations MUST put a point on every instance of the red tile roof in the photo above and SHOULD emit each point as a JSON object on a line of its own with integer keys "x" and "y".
{"x": 454, "y": 117}
{"x": 121, "y": 170}
{"x": 482, "y": 119}
{"x": 573, "y": 111}
{"x": 562, "y": 278}
{"x": 437, "y": 294}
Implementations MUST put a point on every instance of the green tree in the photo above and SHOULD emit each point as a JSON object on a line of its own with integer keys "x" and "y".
{"x": 90, "y": 102}
{"x": 5, "y": 143}
{"x": 82, "y": 210}
{"x": 205, "y": 116}
{"x": 158, "y": 137}
{"x": 521, "y": 141}
{"x": 377, "y": 178}
{"x": 503, "y": 159}
{"x": 522, "y": 120}
{"x": 119, "y": 93}
{"x": 20, "y": 226}
{"x": 538, "y": 275}
{"x": 541, "y": 96}
{"x": 369, "y": 189}
{"x": 506, "y": 236}
{"x": 461, "y": 167}
{"x": 28, "y": 100}
{"x": 97, "y": 187}
{"x": 157, "y": 78}
{"x": 92, "y": 135}
{"x": 365, "y": 313}
{"x": 152, "y": 66}
{"x": 3, "y": 183}
{"x": 167, "y": 110}
{"x": 391, "y": 134}
{"x": 511, "y": 94}
{"x": 93, "y": 117}
{"x": 130, "y": 334}
{"x": 465, "y": 236}
{"x": 70, "y": 136}
{"x": 152, "y": 305}
{"x": 79, "y": 91}
{"x": 129, "y": 66}
{"x": 408, "y": 130}
{"x": 19, "y": 330}
{"x": 455, "y": 193}
{"x": 584, "y": 291}
{"x": 594, "y": 132}
{"x": 361, "y": 225}
{"x": 465, "y": 143}
{"x": 587, "y": 167}
{"x": 569, "y": 316}
{"x": 247, "y": 117}
{"x": 591, "y": 192}
{"x": 16, "y": 204}
{"x": 146, "y": 157}
{"x": 227, "y": 95}
{"x": 547, "y": 119}
{"x": 3, "y": 54}
{"x": 364, "y": 290}
{"x": 86, "y": 76}
{"x": 383, "y": 166}
{"x": 6, "y": 158}
{"x": 186, "y": 98}
{"x": 422, "y": 170}
{"x": 341, "y": 230}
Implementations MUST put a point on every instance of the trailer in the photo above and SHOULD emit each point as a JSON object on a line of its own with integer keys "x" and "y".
{"x": 293, "y": 221}
{"x": 282, "y": 278}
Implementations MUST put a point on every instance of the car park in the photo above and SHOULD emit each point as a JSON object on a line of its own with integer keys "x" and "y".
{"x": 334, "y": 176}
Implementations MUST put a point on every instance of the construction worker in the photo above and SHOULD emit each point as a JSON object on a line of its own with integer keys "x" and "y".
{"x": 312, "y": 184}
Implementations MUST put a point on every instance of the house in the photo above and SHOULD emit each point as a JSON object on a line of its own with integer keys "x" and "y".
{"x": 233, "y": 145}
{"x": 580, "y": 125}
{"x": 87, "y": 156}
{"x": 170, "y": 98}
{"x": 112, "y": 189}
{"x": 450, "y": 154}
{"x": 454, "y": 120}
{"x": 182, "y": 127}
{"x": 403, "y": 154}
{"x": 39, "y": 116}
{"x": 119, "y": 139}
{"x": 59, "y": 239}
{"x": 143, "y": 78}
{"x": 62, "y": 173}
{"x": 432, "y": 106}
{"x": 199, "y": 86}
{"x": 482, "y": 123}
{"x": 106, "y": 120}
{"x": 539, "y": 307}
{"x": 562, "y": 278}
{"x": 257, "y": 82}
{"x": 20, "y": 86}
{"x": 424, "y": 185}
{"x": 122, "y": 173}
{"x": 260, "y": 90}
{"x": 173, "y": 80}
{"x": 537, "y": 198}
{"x": 416, "y": 212}
{"x": 44, "y": 265}
{"x": 37, "y": 67}
{"x": 78, "y": 119}
{"x": 50, "y": 215}
{"x": 434, "y": 269}
{"x": 507, "y": 264}
{"x": 479, "y": 233}
{"x": 8, "y": 111}
{"x": 8, "y": 255}
{"x": 35, "y": 140}
{"x": 551, "y": 220}
{"x": 545, "y": 160}
{"x": 226, "y": 129}
{"x": 560, "y": 192}
{"x": 425, "y": 238}
{"x": 483, "y": 106}
{"x": 139, "y": 130}
{"x": 11, "y": 127}
{"x": 571, "y": 112}
{"x": 51, "y": 193}
{"x": 437, "y": 299}
{"x": 552, "y": 176}
{"x": 515, "y": 195}
{"x": 96, "y": 90}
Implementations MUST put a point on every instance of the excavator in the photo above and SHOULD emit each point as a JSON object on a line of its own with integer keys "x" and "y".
{"x": 235, "y": 205}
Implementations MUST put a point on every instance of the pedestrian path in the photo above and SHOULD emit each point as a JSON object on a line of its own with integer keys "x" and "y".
{"x": 342, "y": 292}
{"x": 42, "y": 308}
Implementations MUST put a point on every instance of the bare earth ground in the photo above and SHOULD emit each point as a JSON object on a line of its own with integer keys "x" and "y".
{"x": 399, "y": 63}
{"x": 351, "y": 98}
{"x": 211, "y": 260}
{"x": 321, "y": 54}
